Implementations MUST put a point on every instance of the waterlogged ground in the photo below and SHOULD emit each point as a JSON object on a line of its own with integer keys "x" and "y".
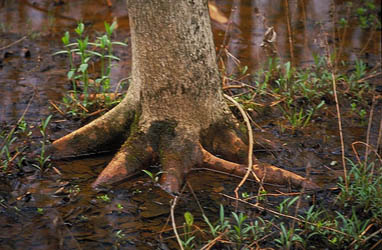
{"x": 57, "y": 209}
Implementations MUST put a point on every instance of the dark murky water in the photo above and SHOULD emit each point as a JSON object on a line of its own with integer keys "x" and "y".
{"x": 44, "y": 23}
{"x": 61, "y": 211}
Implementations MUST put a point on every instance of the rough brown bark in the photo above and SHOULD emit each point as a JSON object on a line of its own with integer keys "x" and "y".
{"x": 174, "y": 111}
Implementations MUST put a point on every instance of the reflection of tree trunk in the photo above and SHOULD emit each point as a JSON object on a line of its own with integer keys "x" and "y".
{"x": 57, "y": 15}
{"x": 174, "y": 110}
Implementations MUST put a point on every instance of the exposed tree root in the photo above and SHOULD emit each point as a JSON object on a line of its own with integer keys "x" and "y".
{"x": 266, "y": 172}
{"x": 133, "y": 156}
{"x": 177, "y": 156}
{"x": 102, "y": 134}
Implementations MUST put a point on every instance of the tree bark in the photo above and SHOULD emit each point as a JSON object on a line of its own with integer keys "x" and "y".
{"x": 174, "y": 111}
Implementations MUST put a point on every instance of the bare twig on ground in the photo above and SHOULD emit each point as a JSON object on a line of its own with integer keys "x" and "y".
{"x": 369, "y": 128}
{"x": 334, "y": 86}
{"x": 173, "y": 222}
{"x": 56, "y": 107}
{"x": 13, "y": 43}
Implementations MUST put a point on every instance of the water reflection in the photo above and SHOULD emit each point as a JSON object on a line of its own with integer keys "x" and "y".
{"x": 309, "y": 21}
{"x": 46, "y": 22}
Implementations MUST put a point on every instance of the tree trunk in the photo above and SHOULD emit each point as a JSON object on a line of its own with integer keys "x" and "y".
{"x": 174, "y": 111}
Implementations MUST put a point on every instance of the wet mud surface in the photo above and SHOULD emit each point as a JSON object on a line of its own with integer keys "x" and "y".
{"x": 57, "y": 209}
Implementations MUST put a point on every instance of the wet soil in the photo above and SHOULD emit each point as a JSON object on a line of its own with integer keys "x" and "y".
{"x": 57, "y": 209}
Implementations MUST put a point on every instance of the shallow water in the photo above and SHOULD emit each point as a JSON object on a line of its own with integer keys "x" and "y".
{"x": 61, "y": 211}
{"x": 44, "y": 74}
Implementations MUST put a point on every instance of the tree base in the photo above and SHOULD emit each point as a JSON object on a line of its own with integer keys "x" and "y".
{"x": 173, "y": 146}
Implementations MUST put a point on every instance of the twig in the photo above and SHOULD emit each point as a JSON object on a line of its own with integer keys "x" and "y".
{"x": 334, "y": 85}
{"x": 14, "y": 157}
{"x": 367, "y": 238}
{"x": 367, "y": 42}
{"x": 173, "y": 222}
{"x": 250, "y": 146}
{"x": 379, "y": 135}
{"x": 376, "y": 244}
{"x": 226, "y": 32}
{"x": 369, "y": 128}
{"x": 368, "y": 77}
{"x": 195, "y": 197}
{"x": 13, "y": 43}
{"x": 119, "y": 84}
{"x": 343, "y": 37}
{"x": 212, "y": 242}
{"x": 340, "y": 129}
{"x": 290, "y": 38}
{"x": 56, "y": 107}
{"x": 308, "y": 167}
{"x": 367, "y": 146}
{"x": 96, "y": 112}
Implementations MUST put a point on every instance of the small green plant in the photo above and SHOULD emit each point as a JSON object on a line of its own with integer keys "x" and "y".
{"x": 288, "y": 237}
{"x": 286, "y": 204}
{"x": 104, "y": 198}
{"x": 120, "y": 206}
{"x": 187, "y": 242}
{"x": 11, "y": 150}
{"x": 40, "y": 210}
{"x": 221, "y": 226}
{"x": 237, "y": 229}
{"x": 5, "y": 154}
{"x": 153, "y": 176}
{"x": 299, "y": 117}
{"x": 78, "y": 73}
{"x": 43, "y": 159}
{"x": 83, "y": 218}
{"x": 364, "y": 192}
{"x": 367, "y": 15}
{"x": 353, "y": 226}
{"x": 239, "y": 232}
{"x": 74, "y": 189}
{"x": 119, "y": 234}
{"x": 245, "y": 195}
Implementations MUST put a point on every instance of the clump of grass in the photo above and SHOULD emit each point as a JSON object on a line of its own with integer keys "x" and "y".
{"x": 356, "y": 225}
{"x": 43, "y": 160}
{"x": 14, "y": 146}
{"x": 238, "y": 230}
{"x": 364, "y": 192}
{"x": 83, "y": 82}
{"x": 299, "y": 95}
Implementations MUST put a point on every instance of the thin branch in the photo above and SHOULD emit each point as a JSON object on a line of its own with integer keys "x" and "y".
{"x": 369, "y": 128}
{"x": 334, "y": 86}
{"x": 250, "y": 146}
{"x": 174, "y": 224}
{"x": 15, "y": 42}
{"x": 290, "y": 35}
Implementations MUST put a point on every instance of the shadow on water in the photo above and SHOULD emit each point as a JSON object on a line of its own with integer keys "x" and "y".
{"x": 60, "y": 210}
